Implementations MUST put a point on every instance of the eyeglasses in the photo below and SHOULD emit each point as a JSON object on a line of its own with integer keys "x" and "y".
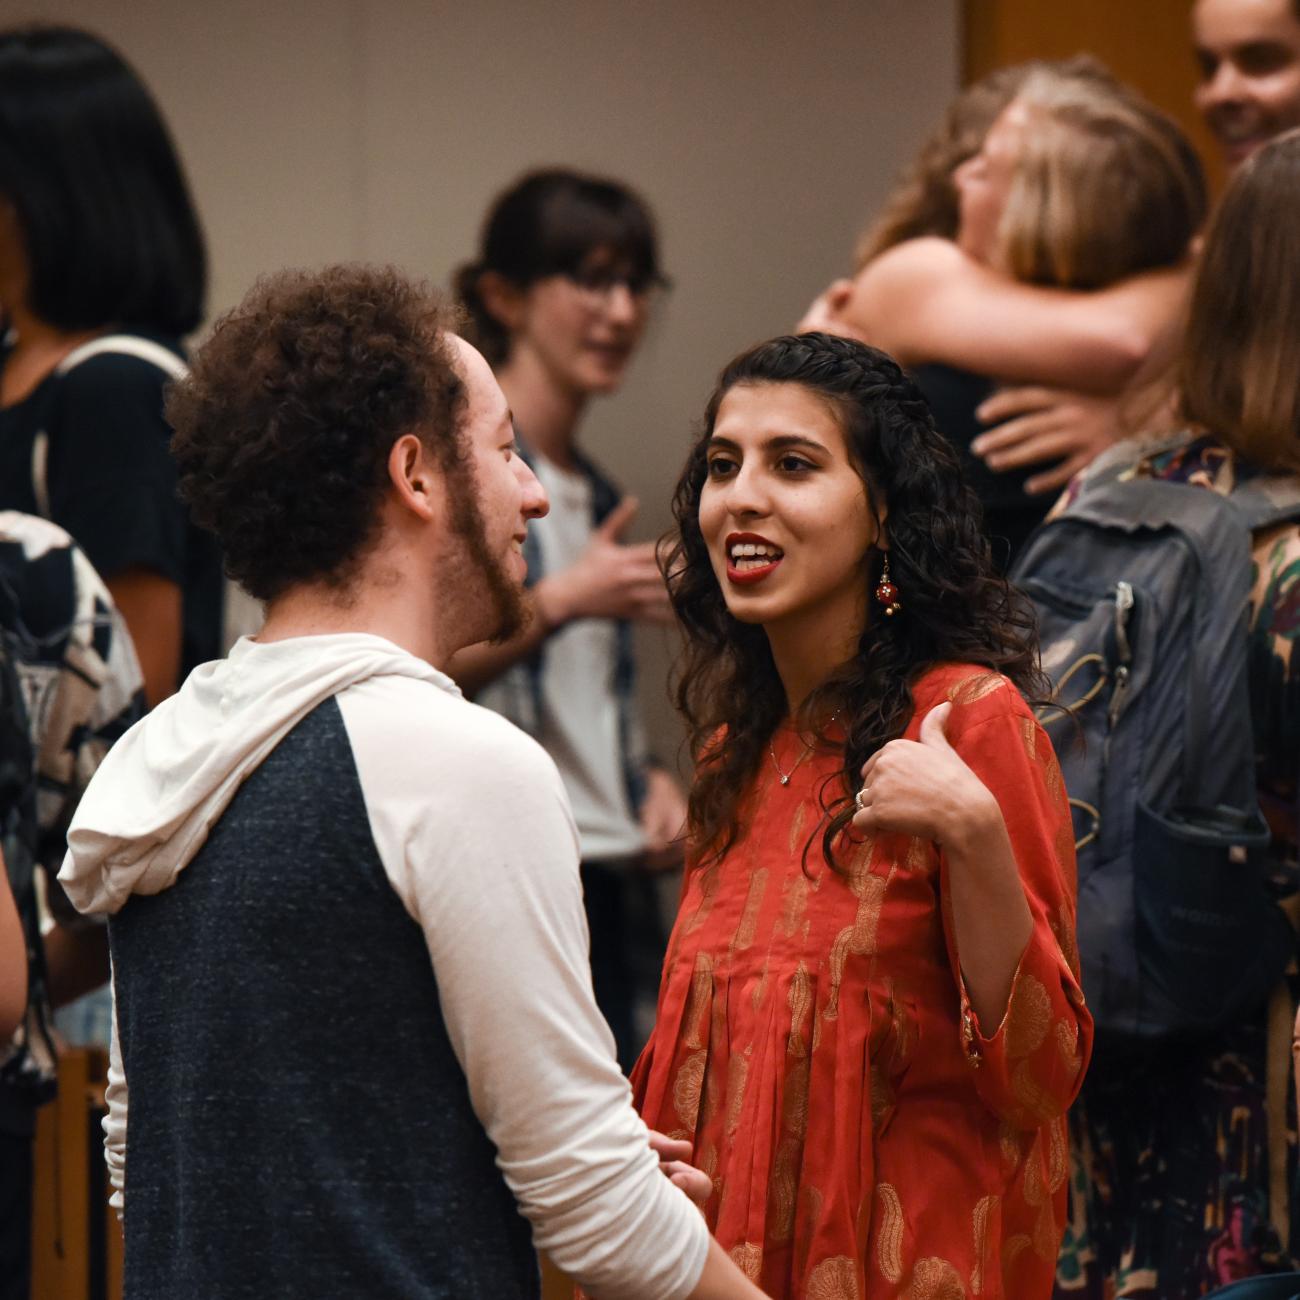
{"x": 598, "y": 285}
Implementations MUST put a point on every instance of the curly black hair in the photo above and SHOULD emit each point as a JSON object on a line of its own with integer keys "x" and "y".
{"x": 284, "y": 425}
{"x": 956, "y": 608}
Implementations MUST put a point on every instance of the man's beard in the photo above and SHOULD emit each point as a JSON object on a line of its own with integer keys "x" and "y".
{"x": 498, "y": 601}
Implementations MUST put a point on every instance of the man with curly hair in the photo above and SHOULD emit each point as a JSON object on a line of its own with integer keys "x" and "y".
{"x": 355, "y": 1030}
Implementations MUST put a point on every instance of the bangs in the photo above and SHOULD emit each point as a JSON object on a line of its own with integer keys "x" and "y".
{"x": 592, "y": 217}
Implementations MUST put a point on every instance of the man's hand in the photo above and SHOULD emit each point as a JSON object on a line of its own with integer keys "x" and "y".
{"x": 1039, "y": 426}
{"x": 609, "y": 579}
{"x": 674, "y": 1156}
{"x": 663, "y": 819}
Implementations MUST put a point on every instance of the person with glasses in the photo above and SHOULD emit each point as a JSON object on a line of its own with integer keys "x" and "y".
{"x": 558, "y": 300}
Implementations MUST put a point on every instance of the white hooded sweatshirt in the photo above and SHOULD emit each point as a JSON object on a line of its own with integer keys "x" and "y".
{"x": 475, "y": 835}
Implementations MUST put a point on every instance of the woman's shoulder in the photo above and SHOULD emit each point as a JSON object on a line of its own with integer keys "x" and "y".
{"x": 975, "y": 691}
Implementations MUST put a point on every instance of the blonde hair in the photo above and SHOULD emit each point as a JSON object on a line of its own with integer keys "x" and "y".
{"x": 1105, "y": 186}
{"x": 924, "y": 202}
{"x": 1237, "y": 376}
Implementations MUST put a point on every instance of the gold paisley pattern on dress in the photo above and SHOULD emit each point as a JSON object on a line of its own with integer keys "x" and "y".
{"x": 834, "y": 1279}
{"x": 748, "y": 926}
{"x": 748, "y": 1258}
{"x": 759, "y": 991}
{"x": 1039, "y": 1104}
{"x": 971, "y": 689}
{"x": 801, "y": 1000}
{"x": 1012, "y": 1249}
{"x": 737, "y": 1078}
{"x": 935, "y": 1279}
{"x": 1011, "y": 1142}
{"x": 1029, "y": 1018}
{"x": 882, "y": 1096}
{"x": 889, "y": 1235}
{"x": 858, "y": 939}
{"x": 794, "y": 1104}
{"x": 858, "y": 863}
{"x": 708, "y": 888}
{"x": 797, "y": 836}
{"x": 701, "y": 989}
{"x": 686, "y": 1089}
{"x": 1067, "y": 1043}
{"x": 980, "y": 1222}
{"x": 1058, "y": 1154}
{"x": 1047, "y": 1236}
{"x": 783, "y": 1189}
{"x": 920, "y": 855}
{"x": 1034, "y": 1188}
{"x": 794, "y": 906}
{"x": 1062, "y": 924}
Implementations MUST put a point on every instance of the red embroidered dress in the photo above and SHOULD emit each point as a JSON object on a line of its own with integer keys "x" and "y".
{"x": 813, "y": 1041}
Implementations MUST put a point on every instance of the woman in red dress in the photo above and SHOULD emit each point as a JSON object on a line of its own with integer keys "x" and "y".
{"x": 870, "y": 1023}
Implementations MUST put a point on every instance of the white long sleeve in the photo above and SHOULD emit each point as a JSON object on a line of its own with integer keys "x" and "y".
{"x": 480, "y": 845}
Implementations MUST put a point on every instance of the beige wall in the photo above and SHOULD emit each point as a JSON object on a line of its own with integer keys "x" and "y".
{"x": 762, "y": 132}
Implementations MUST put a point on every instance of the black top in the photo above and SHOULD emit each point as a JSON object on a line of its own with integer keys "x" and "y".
{"x": 112, "y": 482}
{"x": 298, "y": 1122}
{"x": 1010, "y": 515}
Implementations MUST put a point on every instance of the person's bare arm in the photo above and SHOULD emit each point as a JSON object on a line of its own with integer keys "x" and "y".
{"x": 151, "y": 606}
{"x": 76, "y": 962}
{"x": 610, "y": 580}
{"x": 927, "y": 301}
{"x": 13, "y": 960}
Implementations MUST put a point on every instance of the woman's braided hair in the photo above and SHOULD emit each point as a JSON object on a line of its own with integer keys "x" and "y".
{"x": 956, "y": 608}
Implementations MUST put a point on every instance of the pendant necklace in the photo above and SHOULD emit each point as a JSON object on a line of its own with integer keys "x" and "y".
{"x": 807, "y": 749}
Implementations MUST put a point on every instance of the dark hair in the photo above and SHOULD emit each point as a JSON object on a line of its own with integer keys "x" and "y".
{"x": 549, "y": 223}
{"x": 292, "y": 405}
{"x": 1237, "y": 368}
{"x": 956, "y": 608}
{"x": 109, "y": 232}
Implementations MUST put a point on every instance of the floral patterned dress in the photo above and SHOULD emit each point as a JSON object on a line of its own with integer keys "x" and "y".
{"x": 1182, "y": 1159}
{"x": 867, "y": 1137}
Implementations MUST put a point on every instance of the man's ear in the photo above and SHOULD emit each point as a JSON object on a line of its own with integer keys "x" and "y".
{"x": 505, "y": 301}
{"x": 413, "y": 476}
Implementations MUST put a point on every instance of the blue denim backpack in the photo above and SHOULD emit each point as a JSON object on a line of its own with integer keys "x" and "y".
{"x": 1141, "y": 589}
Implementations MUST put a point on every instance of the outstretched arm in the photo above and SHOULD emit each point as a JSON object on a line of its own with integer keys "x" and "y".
{"x": 927, "y": 301}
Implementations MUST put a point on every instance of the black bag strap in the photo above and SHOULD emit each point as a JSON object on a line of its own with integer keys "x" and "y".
{"x": 123, "y": 345}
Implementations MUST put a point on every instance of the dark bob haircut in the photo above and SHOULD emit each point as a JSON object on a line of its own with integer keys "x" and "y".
{"x": 285, "y": 423}
{"x": 550, "y": 223}
{"x": 109, "y": 232}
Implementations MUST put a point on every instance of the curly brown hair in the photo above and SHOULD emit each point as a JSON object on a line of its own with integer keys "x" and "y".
{"x": 284, "y": 425}
{"x": 957, "y": 608}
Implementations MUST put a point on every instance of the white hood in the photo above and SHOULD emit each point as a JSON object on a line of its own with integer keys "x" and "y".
{"x": 165, "y": 784}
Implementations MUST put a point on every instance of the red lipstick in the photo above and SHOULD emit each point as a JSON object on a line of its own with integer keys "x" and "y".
{"x": 753, "y": 573}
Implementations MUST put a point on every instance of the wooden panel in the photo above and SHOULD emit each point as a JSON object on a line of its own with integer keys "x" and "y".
{"x": 76, "y": 1242}
{"x": 1146, "y": 43}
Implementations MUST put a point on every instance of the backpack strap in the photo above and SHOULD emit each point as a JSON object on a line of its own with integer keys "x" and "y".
{"x": 1266, "y": 500}
{"x": 123, "y": 345}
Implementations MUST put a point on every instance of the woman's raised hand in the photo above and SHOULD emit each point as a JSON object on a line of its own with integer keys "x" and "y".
{"x": 922, "y": 788}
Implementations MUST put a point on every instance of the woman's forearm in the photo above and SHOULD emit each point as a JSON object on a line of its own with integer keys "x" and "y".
{"x": 991, "y": 919}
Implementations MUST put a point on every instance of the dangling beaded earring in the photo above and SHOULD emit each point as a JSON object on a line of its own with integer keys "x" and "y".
{"x": 887, "y": 593}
